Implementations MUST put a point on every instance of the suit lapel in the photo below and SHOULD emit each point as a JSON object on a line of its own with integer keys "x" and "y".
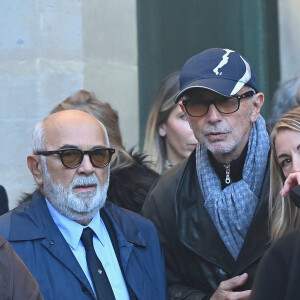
{"x": 40, "y": 225}
{"x": 55, "y": 243}
{"x": 128, "y": 236}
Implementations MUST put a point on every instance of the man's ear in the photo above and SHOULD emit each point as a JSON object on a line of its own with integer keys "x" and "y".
{"x": 186, "y": 114}
{"x": 257, "y": 104}
{"x": 182, "y": 107}
{"x": 35, "y": 167}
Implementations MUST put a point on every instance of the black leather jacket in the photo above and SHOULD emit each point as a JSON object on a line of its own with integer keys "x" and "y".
{"x": 196, "y": 258}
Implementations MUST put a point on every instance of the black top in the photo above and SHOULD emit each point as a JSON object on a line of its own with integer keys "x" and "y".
{"x": 129, "y": 186}
{"x": 277, "y": 277}
{"x": 3, "y": 201}
{"x": 295, "y": 195}
{"x": 236, "y": 168}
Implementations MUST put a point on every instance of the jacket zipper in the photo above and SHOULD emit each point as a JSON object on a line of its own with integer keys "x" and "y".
{"x": 227, "y": 170}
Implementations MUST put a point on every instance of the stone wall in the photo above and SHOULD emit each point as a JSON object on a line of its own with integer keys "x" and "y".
{"x": 49, "y": 50}
{"x": 289, "y": 27}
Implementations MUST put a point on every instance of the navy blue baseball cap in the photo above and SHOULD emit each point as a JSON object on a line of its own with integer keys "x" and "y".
{"x": 222, "y": 71}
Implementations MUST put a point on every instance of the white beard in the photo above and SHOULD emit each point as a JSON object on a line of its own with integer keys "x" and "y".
{"x": 75, "y": 206}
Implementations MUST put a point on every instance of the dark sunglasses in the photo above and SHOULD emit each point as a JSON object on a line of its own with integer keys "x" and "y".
{"x": 196, "y": 107}
{"x": 72, "y": 158}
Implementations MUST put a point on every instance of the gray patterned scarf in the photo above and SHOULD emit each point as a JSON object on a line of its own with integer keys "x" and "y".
{"x": 232, "y": 209}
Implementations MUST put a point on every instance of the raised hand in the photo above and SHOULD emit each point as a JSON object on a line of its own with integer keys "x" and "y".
{"x": 292, "y": 180}
{"x": 225, "y": 289}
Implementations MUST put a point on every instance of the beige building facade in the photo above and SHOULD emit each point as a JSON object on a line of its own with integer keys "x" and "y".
{"x": 51, "y": 49}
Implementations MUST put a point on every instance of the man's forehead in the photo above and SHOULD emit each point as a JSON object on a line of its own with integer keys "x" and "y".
{"x": 200, "y": 92}
{"x": 208, "y": 94}
{"x": 74, "y": 141}
{"x": 76, "y": 131}
{"x": 70, "y": 116}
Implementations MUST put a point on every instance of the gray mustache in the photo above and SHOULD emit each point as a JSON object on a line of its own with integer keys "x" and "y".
{"x": 211, "y": 129}
{"x": 83, "y": 180}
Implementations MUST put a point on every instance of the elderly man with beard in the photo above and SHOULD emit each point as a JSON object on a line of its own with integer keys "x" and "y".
{"x": 70, "y": 164}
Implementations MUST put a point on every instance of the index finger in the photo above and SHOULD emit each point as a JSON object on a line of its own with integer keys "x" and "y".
{"x": 291, "y": 181}
{"x": 244, "y": 295}
{"x": 234, "y": 282}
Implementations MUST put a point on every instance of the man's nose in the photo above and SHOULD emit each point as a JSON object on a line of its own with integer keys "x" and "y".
{"x": 86, "y": 166}
{"x": 296, "y": 163}
{"x": 213, "y": 115}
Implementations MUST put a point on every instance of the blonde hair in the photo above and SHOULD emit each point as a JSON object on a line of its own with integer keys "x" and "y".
{"x": 283, "y": 214}
{"x": 87, "y": 102}
{"x": 163, "y": 104}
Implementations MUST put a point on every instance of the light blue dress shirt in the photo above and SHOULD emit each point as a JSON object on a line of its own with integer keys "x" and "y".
{"x": 72, "y": 231}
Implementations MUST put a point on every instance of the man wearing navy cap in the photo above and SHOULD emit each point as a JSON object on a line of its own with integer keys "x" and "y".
{"x": 211, "y": 210}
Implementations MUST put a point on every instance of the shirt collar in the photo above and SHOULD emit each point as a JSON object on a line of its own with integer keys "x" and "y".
{"x": 72, "y": 230}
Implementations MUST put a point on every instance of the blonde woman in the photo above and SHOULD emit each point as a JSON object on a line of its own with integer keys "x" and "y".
{"x": 277, "y": 276}
{"x": 169, "y": 138}
{"x": 285, "y": 174}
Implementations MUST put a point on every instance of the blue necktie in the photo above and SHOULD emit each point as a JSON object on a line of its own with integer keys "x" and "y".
{"x": 99, "y": 277}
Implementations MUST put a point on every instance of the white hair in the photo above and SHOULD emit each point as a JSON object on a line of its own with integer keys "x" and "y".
{"x": 38, "y": 137}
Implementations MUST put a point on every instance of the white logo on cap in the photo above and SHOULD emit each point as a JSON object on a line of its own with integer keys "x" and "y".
{"x": 223, "y": 62}
{"x": 243, "y": 80}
